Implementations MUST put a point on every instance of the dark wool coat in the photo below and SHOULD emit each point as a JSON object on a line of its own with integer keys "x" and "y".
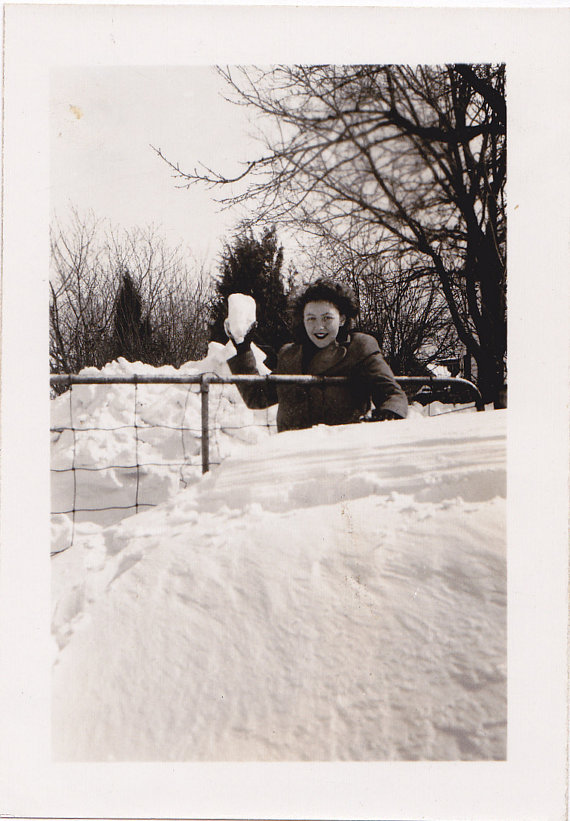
{"x": 301, "y": 406}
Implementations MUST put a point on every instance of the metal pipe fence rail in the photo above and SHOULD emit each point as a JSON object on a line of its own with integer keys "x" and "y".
{"x": 204, "y": 381}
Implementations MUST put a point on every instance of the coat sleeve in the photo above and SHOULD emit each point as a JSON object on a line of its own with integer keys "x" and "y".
{"x": 255, "y": 395}
{"x": 380, "y": 381}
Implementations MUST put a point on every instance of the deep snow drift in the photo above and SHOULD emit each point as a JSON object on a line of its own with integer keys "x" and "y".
{"x": 336, "y": 593}
{"x": 93, "y": 431}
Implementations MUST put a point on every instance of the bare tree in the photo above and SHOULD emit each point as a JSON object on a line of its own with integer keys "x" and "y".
{"x": 413, "y": 157}
{"x": 82, "y": 297}
{"x": 89, "y": 262}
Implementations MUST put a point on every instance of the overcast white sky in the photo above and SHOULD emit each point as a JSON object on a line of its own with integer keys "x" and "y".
{"x": 103, "y": 122}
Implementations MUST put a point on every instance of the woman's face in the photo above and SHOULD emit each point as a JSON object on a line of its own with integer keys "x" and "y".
{"x": 322, "y": 321}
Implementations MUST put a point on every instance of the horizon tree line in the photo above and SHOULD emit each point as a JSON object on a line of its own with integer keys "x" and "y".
{"x": 125, "y": 294}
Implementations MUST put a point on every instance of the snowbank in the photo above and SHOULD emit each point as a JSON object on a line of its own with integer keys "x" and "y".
{"x": 336, "y": 593}
{"x": 93, "y": 431}
{"x": 101, "y": 433}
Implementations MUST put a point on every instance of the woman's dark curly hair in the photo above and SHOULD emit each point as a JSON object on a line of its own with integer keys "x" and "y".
{"x": 325, "y": 290}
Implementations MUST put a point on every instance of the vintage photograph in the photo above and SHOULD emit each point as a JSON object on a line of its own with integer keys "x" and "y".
{"x": 308, "y": 565}
{"x": 284, "y": 462}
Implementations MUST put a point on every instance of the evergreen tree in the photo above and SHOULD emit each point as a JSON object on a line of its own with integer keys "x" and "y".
{"x": 132, "y": 333}
{"x": 253, "y": 266}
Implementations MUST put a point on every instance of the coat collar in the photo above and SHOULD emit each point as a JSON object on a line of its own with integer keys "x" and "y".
{"x": 330, "y": 364}
{"x": 325, "y": 361}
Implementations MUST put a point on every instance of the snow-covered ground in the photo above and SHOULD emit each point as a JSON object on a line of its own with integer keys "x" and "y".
{"x": 334, "y": 593}
{"x": 105, "y": 431}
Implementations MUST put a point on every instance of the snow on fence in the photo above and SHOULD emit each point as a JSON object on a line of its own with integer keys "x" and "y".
{"x": 180, "y": 459}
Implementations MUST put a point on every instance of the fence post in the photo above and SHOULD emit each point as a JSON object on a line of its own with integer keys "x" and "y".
{"x": 205, "y": 441}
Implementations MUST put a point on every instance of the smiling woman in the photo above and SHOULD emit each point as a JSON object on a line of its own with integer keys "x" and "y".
{"x": 322, "y": 321}
{"x": 325, "y": 347}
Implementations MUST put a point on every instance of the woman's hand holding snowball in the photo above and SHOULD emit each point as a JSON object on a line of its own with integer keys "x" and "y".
{"x": 245, "y": 343}
{"x": 241, "y": 321}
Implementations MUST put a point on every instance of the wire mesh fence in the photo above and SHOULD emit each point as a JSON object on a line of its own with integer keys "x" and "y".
{"x": 132, "y": 451}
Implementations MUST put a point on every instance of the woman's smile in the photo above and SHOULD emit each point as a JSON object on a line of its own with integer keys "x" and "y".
{"x": 322, "y": 321}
